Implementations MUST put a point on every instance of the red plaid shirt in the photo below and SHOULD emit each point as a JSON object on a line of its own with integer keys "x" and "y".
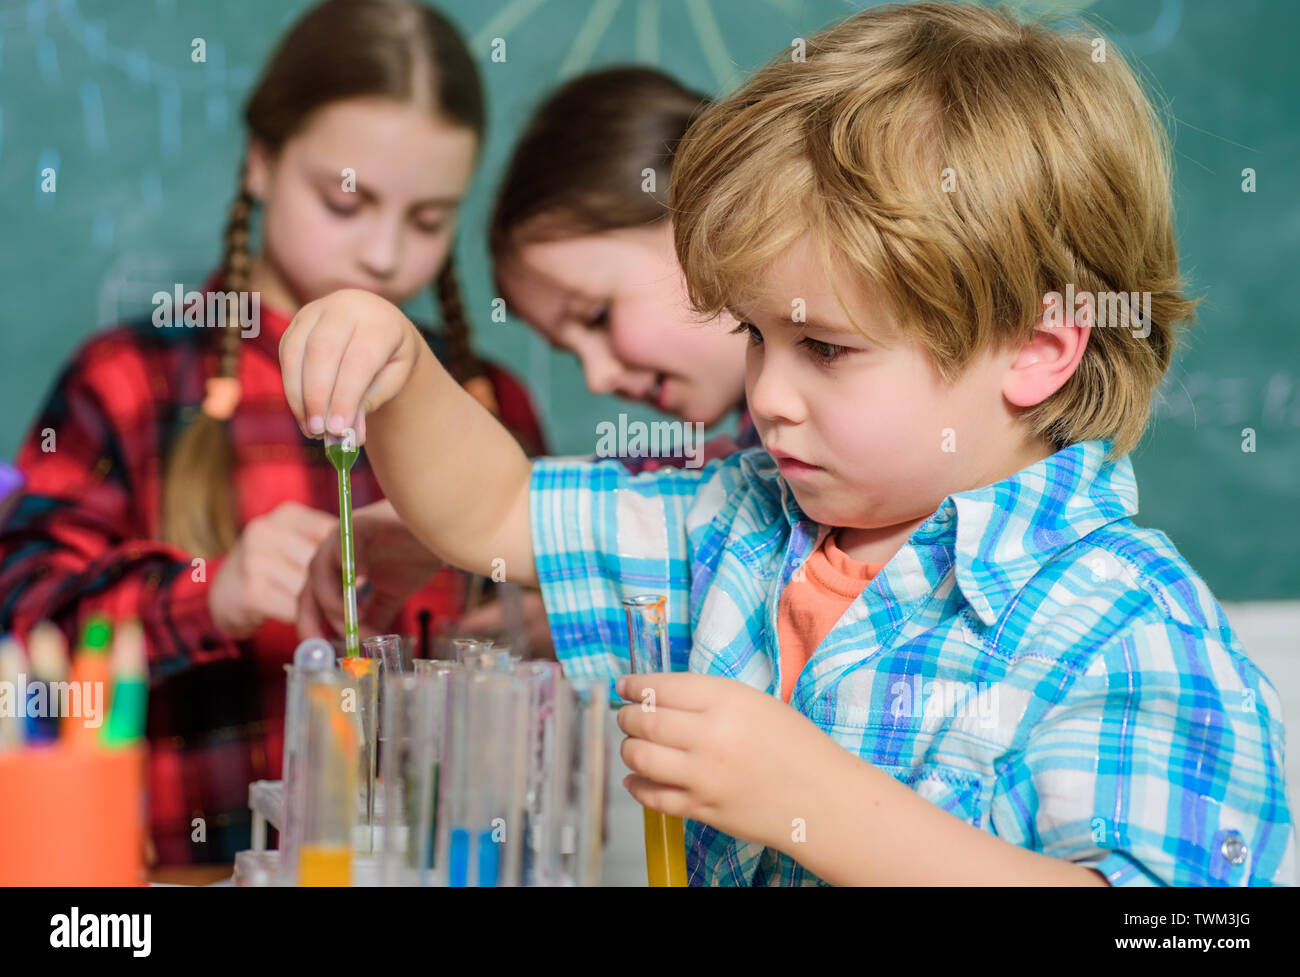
{"x": 85, "y": 537}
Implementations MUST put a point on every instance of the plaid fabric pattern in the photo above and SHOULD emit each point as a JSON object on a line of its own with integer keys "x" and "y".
{"x": 85, "y": 537}
{"x": 1030, "y": 661}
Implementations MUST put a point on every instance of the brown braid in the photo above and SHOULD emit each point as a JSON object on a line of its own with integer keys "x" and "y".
{"x": 461, "y": 361}
{"x": 198, "y": 490}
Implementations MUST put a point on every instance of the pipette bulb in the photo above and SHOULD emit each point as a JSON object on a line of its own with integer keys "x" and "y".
{"x": 314, "y": 654}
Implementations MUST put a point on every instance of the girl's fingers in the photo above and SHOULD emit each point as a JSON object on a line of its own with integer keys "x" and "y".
{"x": 281, "y": 573}
{"x": 308, "y": 523}
{"x": 310, "y": 622}
{"x": 294, "y": 547}
{"x": 278, "y": 602}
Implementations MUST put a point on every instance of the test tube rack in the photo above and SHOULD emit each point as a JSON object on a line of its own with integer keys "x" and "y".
{"x": 558, "y": 839}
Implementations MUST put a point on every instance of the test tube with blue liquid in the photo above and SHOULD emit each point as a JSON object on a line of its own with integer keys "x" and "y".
{"x": 485, "y": 774}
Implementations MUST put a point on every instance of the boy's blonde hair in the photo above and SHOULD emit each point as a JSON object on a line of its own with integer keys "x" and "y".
{"x": 965, "y": 164}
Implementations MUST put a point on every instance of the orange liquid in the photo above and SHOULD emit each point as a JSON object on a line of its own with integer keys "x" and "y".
{"x": 324, "y": 865}
{"x": 665, "y": 849}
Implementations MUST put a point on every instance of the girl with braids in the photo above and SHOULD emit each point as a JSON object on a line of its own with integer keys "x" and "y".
{"x": 180, "y": 490}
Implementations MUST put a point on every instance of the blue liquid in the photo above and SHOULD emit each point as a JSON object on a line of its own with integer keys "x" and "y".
{"x": 489, "y": 859}
{"x": 458, "y": 858}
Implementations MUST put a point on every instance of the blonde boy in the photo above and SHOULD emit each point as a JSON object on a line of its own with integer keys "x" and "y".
{"x": 925, "y": 641}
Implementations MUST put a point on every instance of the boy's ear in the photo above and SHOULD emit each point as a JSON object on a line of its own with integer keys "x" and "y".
{"x": 1045, "y": 361}
{"x": 257, "y": 174}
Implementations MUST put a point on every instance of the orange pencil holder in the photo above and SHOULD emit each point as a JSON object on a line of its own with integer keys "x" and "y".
{"x": 70, "y": 815}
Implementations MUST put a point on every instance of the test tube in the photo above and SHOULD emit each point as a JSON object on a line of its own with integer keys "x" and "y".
{"x": 329, "y": 790}
{"x": 479, "y": 832}
{"x": 413, "y": 712}
{"x": 582, "y": 703}
{"x": 473, "y": 653}
{"x": 387, "y": 648}
{"x": 434, "y": 666}
{"x": 647, "y": 641}
{"x": 540, "y": 855}
{"x": 312, "y": 655}
{"x": 361, "y": 678}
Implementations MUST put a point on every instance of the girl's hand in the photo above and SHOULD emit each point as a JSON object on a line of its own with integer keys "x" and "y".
{"x": 713, "y": 749}
{"x": 343, "y": 356}
{"x": 388, "y": 556}
{"x": 265, "y": 570}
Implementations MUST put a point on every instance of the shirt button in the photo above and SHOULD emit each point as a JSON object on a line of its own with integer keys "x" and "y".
{"x": 1234, "y": 849}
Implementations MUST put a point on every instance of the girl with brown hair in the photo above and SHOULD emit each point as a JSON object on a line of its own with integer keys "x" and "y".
{"x": 166, "y": 478}
{"x": 582, "y": 245}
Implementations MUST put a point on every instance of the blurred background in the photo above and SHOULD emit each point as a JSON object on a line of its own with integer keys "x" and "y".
{"x": 146, "y": 144}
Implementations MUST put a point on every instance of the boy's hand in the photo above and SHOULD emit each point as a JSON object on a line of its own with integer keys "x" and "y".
{"x": 716, "y": 750}
{"x": 344, "y": 356}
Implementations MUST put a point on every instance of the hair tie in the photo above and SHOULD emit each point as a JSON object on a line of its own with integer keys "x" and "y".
{"x": 222, "y": 397}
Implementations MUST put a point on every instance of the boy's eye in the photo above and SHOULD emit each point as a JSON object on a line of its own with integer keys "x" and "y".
{"x": 749, "y": 329}
{"x": 428, "y": 227}
{"x": 601, "y": 318}
{"x": 825, "y": 352}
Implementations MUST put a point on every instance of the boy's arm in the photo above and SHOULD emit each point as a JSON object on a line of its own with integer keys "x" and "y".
{"x": 454, "y": 475}
{"x": 919, "y": 842}
{"x": 1162, "y": 764}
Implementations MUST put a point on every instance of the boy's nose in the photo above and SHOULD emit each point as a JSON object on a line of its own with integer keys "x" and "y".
{"x": 770, "y": 392}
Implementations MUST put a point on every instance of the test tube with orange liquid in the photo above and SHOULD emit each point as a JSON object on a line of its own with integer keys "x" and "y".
{"x": 647, "y": 642}
{"x": 330, "y": 788}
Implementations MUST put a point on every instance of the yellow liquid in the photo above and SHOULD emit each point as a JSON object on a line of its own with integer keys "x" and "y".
{"x": 665, "y": 849}
{"x": 324, "y": 865}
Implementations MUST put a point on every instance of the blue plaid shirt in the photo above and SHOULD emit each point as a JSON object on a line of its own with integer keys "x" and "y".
{"x": 1030, "y": 661}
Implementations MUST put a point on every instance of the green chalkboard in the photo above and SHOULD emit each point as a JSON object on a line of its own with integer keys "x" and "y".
{"x": 145, "y": 143}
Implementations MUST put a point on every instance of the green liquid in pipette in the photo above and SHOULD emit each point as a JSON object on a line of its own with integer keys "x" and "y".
{"x": 343, "y": 459}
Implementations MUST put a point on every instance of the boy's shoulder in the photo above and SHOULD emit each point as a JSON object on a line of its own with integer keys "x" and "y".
{"x": 1055, "y": 568}
{"x": 1124, "y": 599}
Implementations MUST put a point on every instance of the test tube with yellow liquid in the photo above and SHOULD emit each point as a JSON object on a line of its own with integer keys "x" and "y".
{"x": 647, "y": 642}
{"x": 329, "y": 789}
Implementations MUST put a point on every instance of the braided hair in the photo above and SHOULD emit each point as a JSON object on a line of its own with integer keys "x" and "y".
{"x": 397, "y": 49}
